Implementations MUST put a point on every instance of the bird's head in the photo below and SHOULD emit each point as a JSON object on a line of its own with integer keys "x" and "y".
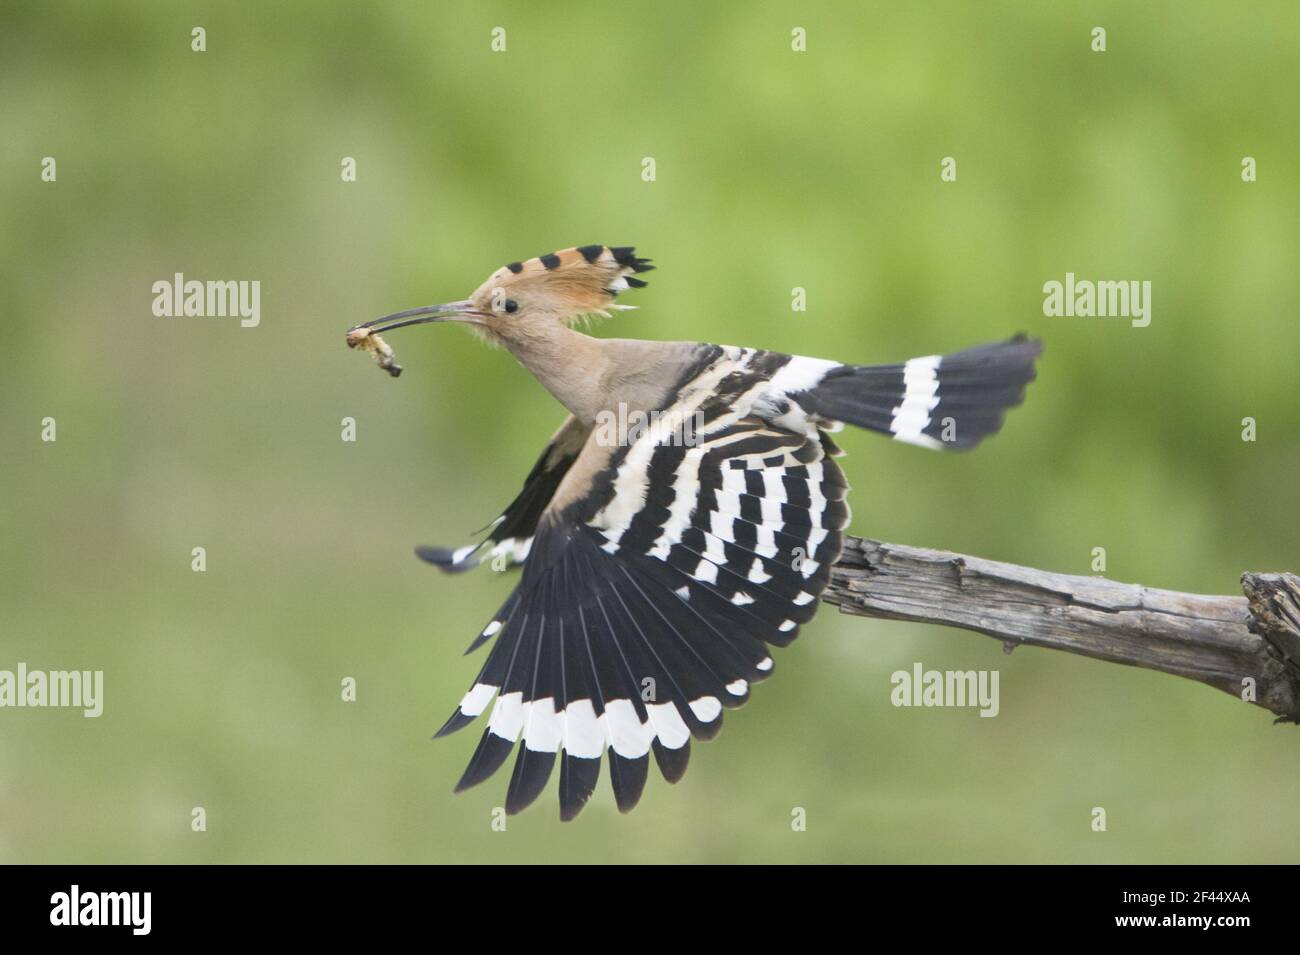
{"x": 525, "y": 299}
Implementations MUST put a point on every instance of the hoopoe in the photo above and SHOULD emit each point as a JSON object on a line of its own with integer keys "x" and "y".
{"x": 658, "y": 572}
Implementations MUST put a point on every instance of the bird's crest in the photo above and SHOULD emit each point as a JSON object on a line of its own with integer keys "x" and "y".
{"x": 583, "y": 280}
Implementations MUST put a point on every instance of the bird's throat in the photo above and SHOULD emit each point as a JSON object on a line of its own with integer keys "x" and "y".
{"x": 570, "y": 365}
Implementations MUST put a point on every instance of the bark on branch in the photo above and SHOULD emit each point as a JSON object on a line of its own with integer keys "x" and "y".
{"x": 1221, "y": 641}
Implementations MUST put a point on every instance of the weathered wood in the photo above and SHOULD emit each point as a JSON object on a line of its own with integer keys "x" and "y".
{"x": 1223, "y": 641}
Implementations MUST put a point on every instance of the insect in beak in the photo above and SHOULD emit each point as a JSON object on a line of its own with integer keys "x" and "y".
{"x": 367, "y": 335}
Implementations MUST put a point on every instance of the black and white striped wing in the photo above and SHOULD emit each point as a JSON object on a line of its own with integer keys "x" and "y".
{"x": 649, "y": 604}
{"x": 511, "y": 534}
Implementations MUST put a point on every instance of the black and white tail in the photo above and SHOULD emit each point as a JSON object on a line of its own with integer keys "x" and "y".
{"x": 950, "y": 402}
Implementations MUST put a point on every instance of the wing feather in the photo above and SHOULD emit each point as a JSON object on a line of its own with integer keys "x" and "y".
{"x": 634, "y": 627}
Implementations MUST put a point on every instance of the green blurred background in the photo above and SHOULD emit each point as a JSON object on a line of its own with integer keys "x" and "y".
{"x": 775, "y": 169}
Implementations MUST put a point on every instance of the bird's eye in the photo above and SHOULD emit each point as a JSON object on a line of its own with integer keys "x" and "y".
{"x": 512, "y": 305}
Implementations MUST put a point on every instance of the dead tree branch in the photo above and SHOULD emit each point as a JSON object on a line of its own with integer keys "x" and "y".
{"x": 1223, "y": 641}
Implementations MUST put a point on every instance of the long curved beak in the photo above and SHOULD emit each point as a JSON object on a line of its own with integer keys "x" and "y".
{"x": 463, "y": 311}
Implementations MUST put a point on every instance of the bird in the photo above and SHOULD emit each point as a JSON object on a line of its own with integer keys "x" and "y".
{"x": 681, "y": 522}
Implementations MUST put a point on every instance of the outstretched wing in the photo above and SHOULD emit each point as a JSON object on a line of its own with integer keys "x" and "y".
{"x": 511, "y": 534}
{"x": 658, "y": 580}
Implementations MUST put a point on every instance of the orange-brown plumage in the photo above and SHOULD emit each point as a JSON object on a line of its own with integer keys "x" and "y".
{"x": 568, "y": 285}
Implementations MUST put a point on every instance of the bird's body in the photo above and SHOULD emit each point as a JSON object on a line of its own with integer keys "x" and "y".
{"x": 662, "y": 561}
